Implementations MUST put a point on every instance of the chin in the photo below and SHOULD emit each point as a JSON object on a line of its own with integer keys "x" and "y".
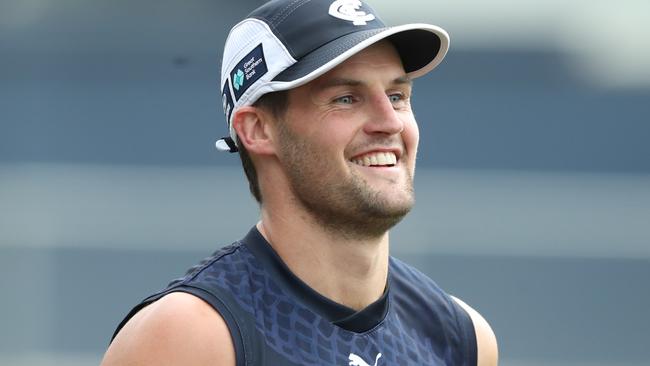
{"x": 378, "y": 217}
{"x": 389, "y": 213}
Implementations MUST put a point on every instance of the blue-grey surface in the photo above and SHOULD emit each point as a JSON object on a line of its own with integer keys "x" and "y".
{"x": 533, "y": 181}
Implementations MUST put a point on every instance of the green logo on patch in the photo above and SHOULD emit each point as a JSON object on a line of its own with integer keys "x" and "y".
{"x": 238, "y": 80}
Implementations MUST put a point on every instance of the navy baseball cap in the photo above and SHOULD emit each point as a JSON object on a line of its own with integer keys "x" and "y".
{"x": 287, "y": 43}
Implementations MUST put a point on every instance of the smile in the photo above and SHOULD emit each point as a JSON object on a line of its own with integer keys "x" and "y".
{"x": 383, "y": 158}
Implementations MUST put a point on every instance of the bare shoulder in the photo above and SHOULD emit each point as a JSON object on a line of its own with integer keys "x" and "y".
{"x": 178, "y": 329}
{"x": 486, "y": 341}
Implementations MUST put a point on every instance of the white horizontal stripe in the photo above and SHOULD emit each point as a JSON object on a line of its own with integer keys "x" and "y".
{"x": 457, "y": 212}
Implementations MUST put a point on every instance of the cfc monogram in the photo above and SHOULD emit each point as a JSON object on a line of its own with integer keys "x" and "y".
{"x": 348, "y": 10}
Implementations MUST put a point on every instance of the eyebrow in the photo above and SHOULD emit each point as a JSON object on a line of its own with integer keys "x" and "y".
{"x": 334, "y": 82}
{"x": 402, "y": 80}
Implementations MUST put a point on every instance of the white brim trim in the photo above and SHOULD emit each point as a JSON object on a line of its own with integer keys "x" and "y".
{"x": 444, "y": 47}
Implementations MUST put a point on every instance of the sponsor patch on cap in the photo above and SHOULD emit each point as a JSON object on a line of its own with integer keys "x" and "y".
{"x": 248, "y": 71}
{"x": 226, "y": 100}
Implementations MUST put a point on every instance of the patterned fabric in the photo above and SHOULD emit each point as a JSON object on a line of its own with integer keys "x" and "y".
{"x": 272, "y": 326}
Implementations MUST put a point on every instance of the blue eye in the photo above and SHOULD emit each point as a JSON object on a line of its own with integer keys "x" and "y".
{"x": 394, "y": 98}
{"x": 345, "y": 99}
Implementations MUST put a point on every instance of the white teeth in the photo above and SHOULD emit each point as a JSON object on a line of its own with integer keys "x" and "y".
{"x": 379, "y": 158}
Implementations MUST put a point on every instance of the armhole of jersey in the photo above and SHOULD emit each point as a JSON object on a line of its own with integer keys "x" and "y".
{"x": 223, "y": 310}
{"x": 218, "y": 305}
{"x": 468, "y": 334}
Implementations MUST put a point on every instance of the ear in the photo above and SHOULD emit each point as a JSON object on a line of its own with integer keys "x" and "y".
{"x": 253, "y": 127}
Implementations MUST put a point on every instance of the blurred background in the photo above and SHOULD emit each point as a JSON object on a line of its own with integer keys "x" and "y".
{"x": 533, "y": 184}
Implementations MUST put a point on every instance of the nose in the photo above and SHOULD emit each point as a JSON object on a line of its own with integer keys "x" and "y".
{"x": 382, "y": 117}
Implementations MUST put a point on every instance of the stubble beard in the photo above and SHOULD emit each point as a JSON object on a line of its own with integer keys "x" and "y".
{"x": 347, "y": 206}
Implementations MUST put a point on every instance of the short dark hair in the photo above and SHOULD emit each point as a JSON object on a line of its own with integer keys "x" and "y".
{"x": 276, "y": 103}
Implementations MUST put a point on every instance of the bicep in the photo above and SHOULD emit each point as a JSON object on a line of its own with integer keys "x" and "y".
{"x": 486, "y": 341}
{"x": 179, "y": 329}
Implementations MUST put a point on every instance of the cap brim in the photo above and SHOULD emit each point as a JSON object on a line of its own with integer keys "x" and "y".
{"x": 420, "y": 46}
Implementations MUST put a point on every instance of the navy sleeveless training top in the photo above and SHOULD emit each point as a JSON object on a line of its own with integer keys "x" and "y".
{"x": 275, "y": 319}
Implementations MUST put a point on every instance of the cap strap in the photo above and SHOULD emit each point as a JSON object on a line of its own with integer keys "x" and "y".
{"x": 226, "y": 144}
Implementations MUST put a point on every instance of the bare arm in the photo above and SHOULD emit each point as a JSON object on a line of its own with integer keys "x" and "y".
{"x": 179, "y": 329}
{"x": 486, "y": 341}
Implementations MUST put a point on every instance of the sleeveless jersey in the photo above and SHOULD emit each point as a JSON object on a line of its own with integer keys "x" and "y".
{"x": 275, "y": 319}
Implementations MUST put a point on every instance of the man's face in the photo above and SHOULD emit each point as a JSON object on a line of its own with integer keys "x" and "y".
{"x": 348, "y": 144}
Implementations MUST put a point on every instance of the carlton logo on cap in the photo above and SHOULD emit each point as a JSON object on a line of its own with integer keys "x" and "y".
{"x": 348, "y": 10}
{"x": 284, "y": 44}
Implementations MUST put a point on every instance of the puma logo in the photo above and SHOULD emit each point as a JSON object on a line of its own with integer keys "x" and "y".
{"x": 358, "y": 361}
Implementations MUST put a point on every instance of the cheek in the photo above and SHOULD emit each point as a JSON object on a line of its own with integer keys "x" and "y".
{"x": 324, "y": 145}
{"x": 411, "y": 135}
{"x": 337, "y": 133}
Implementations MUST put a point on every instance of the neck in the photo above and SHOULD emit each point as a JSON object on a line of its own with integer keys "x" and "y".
{"x": 314, "y": 254}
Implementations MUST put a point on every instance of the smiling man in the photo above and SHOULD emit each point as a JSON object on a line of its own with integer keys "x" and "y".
{"x": 317, "y": 96}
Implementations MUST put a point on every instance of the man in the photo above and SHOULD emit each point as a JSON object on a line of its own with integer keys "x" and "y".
{"x": 317, "y": 96}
